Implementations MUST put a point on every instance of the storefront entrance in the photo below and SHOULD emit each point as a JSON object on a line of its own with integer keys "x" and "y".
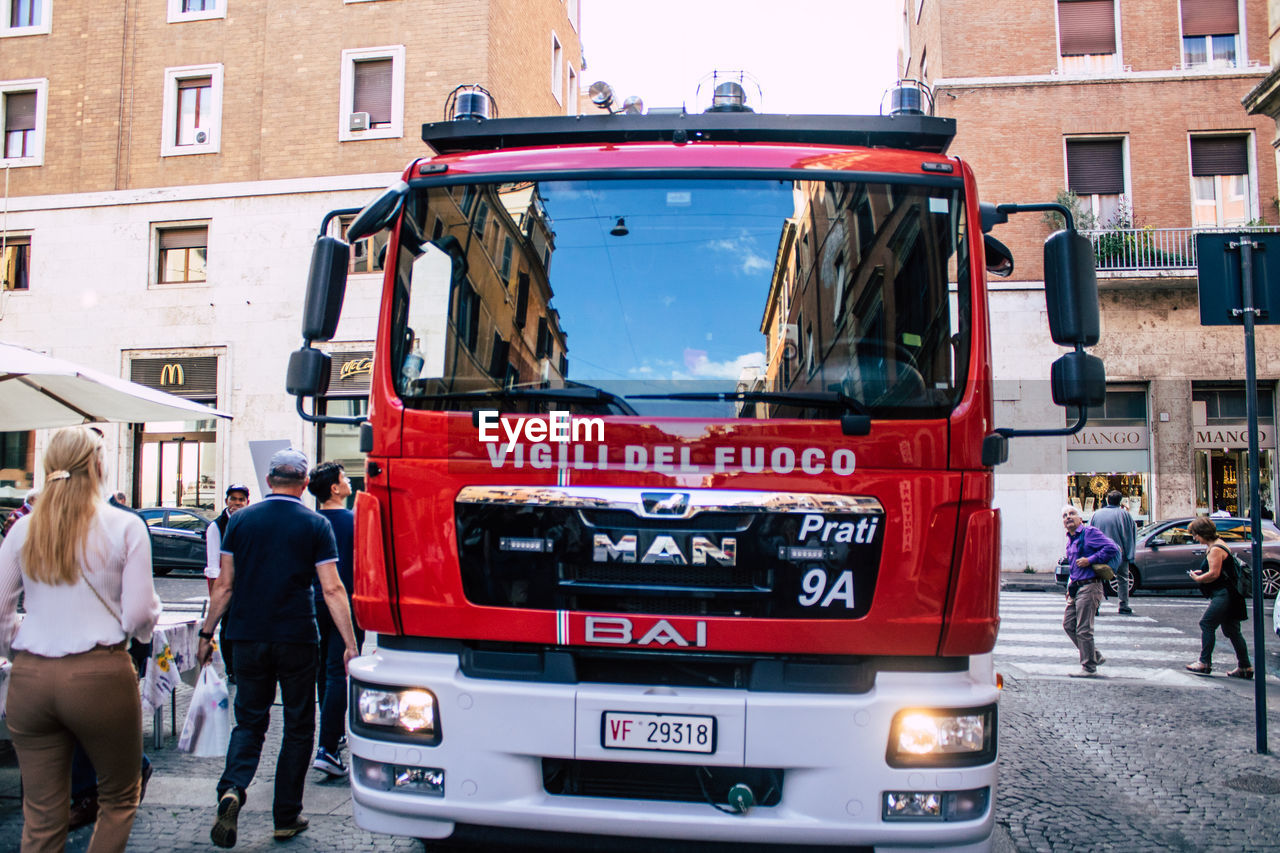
{"x": 178, "y": 468}
{"x": 175, "y": 463}
{"x": 1222, "y": 478}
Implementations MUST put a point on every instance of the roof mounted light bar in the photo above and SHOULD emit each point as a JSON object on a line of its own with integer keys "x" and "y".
{"x": 912, "y": 132}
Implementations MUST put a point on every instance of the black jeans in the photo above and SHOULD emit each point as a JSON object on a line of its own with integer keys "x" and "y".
{"x": 331, "y": 678}
{"x": 1218, "y": 615}
{"x": 259, "y": 668}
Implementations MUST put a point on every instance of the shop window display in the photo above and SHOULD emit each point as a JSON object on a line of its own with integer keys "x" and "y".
{"x": 1087, "y": 492}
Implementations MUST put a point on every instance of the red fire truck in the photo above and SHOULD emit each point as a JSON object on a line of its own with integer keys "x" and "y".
{"x": 680, "y": 445}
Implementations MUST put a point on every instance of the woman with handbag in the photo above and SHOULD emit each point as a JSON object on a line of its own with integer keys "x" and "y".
{"x": 85, "y": 570}
{"x": 1226, "y": 608}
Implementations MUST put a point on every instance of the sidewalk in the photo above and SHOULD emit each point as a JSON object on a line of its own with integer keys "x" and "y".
{"x": 178, "y": 810}
{"x": 1028, "y": 582}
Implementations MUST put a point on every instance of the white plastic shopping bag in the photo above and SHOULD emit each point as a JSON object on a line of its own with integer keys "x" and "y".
{"x": 207, "y": 730}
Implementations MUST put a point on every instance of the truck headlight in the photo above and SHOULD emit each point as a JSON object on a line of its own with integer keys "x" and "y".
{"x": 383, "y": 712}
{"x": 942, "y": 737}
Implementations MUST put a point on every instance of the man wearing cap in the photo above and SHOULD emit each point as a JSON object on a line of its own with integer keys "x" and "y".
{"x": 270, "y": 553}
{"x": 237, "y": 498}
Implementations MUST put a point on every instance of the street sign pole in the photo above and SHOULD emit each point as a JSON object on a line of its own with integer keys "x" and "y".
{"x": 1248, "y": 313}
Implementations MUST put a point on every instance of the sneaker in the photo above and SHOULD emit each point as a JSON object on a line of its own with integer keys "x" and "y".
{"x": 84, "y": 811}
{"x": 289, "y": 830}
{"x": 329, "y": 763}
{"x": 1245, "y": 672}
{"x": 1125, "y": 611}
{"x": 223, "y": 833}
{"x": 1100, "y": 661}
{"x": 1085, "y": 673}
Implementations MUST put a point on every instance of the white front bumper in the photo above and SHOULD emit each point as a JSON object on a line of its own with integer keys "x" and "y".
{"x": 830, "y": 747}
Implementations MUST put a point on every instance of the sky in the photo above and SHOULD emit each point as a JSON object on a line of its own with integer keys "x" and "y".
{"x": 808, "y": 56}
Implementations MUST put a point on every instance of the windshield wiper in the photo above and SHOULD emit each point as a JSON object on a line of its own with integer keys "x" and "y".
{"x": 821, "y": 399}
{"x": 576, "y": 394}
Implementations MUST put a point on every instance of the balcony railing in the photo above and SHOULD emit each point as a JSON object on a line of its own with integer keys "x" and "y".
{"x": 1156, "y": 251}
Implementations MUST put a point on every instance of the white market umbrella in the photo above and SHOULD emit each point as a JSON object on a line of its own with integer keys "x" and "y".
{"x": 38, "y": 391}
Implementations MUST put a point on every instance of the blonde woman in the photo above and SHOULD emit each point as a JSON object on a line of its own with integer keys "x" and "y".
{"x": 86, "y": 572}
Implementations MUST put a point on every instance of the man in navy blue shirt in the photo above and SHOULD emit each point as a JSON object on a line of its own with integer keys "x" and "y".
{"x": 270, "y": 554}
{"x": 1085, "y": 546}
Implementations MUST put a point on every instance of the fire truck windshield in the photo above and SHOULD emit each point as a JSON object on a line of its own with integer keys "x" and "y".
{"x": 725, "y": 298}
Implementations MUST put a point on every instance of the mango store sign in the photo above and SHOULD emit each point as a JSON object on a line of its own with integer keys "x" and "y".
{"x": 1109, "y": 438}
{"x": 1237, "y": 437}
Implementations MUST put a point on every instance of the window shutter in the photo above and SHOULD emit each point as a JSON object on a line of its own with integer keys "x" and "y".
{"x": 20, "y": 111}
{"x": 1087, "y": 26}
{"x": 1095, "y": 166}
{"x": 184, "y": 238}
{"x": 195, "y": 83}
{"x": 1210, "y": 17}
{"x": 1219, "y": 155}
{"x": 373, "y": 90}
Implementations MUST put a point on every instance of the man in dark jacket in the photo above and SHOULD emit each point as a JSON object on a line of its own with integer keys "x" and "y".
{"x": 1115, "y": 521}
{"x": 1085, "y": 546}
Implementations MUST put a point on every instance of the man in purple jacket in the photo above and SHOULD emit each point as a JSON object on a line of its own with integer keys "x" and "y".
{"x": 1085, "y": 546}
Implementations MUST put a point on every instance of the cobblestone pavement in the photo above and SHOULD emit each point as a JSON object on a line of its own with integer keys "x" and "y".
{"x": 1094, "y": 765}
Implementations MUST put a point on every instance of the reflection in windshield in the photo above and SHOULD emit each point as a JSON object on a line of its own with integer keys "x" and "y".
{"x": 707, "y": 298}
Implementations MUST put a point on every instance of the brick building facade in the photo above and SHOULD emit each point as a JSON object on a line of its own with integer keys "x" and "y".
{"x": 168, "y": 165}
{"x": 1135, "y": 106}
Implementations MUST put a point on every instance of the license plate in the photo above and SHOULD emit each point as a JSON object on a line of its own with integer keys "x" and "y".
{"x": 659, "y": 732}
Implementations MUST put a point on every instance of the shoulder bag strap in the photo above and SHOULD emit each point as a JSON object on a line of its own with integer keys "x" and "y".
{"x": 98, "y": 595}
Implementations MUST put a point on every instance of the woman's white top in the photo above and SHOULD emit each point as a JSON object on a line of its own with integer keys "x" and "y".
{"x": 68, "y": 619}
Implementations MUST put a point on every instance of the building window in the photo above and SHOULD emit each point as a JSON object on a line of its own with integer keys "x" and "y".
{"x": 1220, "y": 185}
{"x": 498, "y": 359}
{"x": 196, "y": 10}
{"x": 1210, "y": 30}
{"x": 506, "y": 260}
{"x": 183, "y": 254}
{"x": 481, "y": 220}
{"x": 557, "y": 68}
{"x": 1095, "y": 173}
{"x": 371, "y": 100}
{"x": 25, "y": 17}
{"x": 522, "y": 299}
{"x": 22, "y": 111}
{"x": 15, "y": 261}
{"x": 1087, "y": 35}
{"x": 571, "y": 9}
{"x": 192, "y": 110}
{"x": 571, "y": 93}
{"x": 468, "y": 316}
{"x": 367, "y": 255}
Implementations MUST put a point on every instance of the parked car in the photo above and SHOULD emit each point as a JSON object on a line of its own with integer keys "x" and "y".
{"x": 177, "y": 537}
{"x": 1165, "y": 551}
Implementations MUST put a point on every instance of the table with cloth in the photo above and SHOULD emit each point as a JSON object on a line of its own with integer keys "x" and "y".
{"x": 173, "y": 655}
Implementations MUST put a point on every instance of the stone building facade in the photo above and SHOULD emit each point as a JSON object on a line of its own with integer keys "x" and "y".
{"x": 167, "y": 167}
{"x": 1134, "y": 106}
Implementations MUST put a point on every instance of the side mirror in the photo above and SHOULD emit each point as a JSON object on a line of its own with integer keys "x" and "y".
{"x": 1071, "y": 289}
{"x": 998, "y": 257}
{"x": 326, "y": 286}
{"x": 308, "y": 374}
{"x": 1157, "y": 541}
{"x": 1078, "y": 379}
{"x": 378, "y": 213}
